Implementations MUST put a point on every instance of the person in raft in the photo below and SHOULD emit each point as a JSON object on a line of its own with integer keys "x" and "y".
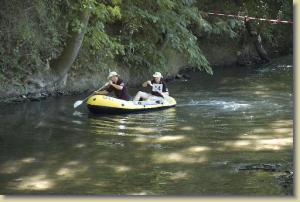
{"x": 159, "y": 89}
{"x": 116, "y": 84}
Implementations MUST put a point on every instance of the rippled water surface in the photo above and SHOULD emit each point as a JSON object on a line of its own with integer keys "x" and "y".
{"x": 237, "y": 117}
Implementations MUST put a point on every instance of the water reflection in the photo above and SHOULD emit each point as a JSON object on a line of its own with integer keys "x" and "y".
{"x": 232, "y": 118}
{"x": 154, "y": 124}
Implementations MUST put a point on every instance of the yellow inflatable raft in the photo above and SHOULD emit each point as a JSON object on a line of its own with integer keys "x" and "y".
{"x": 102, "y": 104}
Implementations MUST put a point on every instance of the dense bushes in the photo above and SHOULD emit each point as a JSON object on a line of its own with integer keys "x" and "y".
{"x": 133, "y": 34}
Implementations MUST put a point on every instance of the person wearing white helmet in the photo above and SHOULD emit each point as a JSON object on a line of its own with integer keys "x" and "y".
{"x": 116, "y": 84}
{"x": 159, "y": 89}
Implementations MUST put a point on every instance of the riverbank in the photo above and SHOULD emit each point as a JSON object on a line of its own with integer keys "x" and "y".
{"x": 63, "y": 48}
{"x": 86, "y": 82}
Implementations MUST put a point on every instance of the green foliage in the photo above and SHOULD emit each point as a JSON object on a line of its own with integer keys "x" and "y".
{"x": 150, "y": 27}
{"x": 272, "y": 9}
{"x": 30, "y": 34}
{"x": 133, "y": 33}
{"x": 97, "y": 38}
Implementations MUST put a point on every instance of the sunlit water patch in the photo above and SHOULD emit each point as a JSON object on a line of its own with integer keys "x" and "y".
{"x": 235, "y": 117}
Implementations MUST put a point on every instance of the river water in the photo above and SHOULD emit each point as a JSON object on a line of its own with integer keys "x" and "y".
{"x": 239, "y": 116}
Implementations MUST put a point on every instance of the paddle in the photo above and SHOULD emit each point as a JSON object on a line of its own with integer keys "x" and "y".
{"x": 79, "y": 102}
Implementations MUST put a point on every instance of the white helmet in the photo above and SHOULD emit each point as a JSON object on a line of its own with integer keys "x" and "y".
{"x": 111, "y": 74}
{"x": 157, "y": 74}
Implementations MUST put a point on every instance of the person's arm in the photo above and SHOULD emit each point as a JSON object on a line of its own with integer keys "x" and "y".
{"x": 164, "y": 94}
{"x": 165, "y": 90}
{"x": 119, "y": 87}
{"x": 147, "y": 83}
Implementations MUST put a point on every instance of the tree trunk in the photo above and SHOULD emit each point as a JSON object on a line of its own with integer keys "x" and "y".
{"x": 61, "y": 65}
{"x": 257, "y": 42}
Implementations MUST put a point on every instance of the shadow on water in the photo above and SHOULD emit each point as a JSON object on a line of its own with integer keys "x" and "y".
{"x": 236, "y": 117}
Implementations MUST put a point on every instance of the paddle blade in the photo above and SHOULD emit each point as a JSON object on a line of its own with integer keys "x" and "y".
{"x": 77, "y": 103}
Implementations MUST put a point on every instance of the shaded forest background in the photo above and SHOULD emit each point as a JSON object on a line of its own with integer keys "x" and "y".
{"x": 70, "y": 45}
